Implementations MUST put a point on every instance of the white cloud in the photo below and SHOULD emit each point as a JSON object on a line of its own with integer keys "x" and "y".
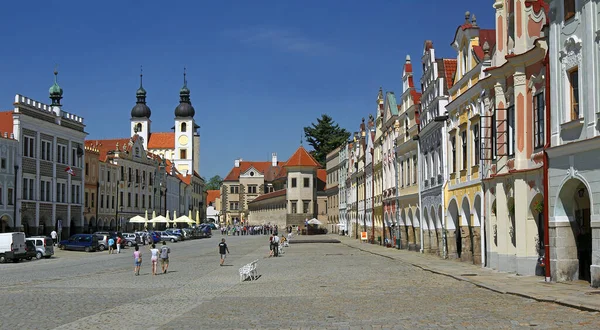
{"x": 280, "y": 39}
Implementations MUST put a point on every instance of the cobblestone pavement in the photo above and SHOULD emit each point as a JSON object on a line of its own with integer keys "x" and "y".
{"x": 312, "y": 286}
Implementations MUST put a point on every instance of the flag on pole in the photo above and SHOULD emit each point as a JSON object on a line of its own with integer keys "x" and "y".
{"x": 70, "y": 171}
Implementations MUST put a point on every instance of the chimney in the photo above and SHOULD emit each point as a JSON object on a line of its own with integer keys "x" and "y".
{"x": 236, "y": 163}
{"x": 274, "y": 159}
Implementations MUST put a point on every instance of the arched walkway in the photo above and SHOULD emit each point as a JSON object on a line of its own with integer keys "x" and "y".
{"x": 454, "y": 237}
{"x": 467, "y": 232}
{"x": 574, "y": 249}
{"x": 6, "y": 224}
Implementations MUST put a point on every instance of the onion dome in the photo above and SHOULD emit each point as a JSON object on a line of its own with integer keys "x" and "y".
{"x": 55, "y": 91}
{"x": 185, "y": 108}
{"x": 140, "y": 109}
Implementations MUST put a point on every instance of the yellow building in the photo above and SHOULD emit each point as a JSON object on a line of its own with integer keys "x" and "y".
{"x": 463, "y": 192}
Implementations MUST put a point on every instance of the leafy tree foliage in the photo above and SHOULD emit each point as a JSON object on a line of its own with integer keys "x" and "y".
{"x": 214, "y": 183}
{"x": 324, "y": 136}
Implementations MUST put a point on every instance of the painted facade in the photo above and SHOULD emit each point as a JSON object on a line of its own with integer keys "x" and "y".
{"x": 406, "y": 151}
{"x": 332, "y": 191}
{"x": 388, "y": 126}
{"x": 463, "y": 194}
{"x": 435, "y": 83}
{"x": 573, "y": 200}
{"x": 9, "y": 167}
{"x": 343, "y": 190}
{"x": 91, "y": 189}
{"x": 512, "y": 129}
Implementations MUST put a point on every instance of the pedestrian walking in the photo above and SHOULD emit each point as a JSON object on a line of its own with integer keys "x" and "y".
{"x": 111, "y": 244}
{"x": 137, "y": 260}
{"x": 54, "y": 236}
{"x": 223, "y": 250}
{"x": 164, "y": 257}
{"x": 119, "y": 241}
{"x": 154, "y": 258}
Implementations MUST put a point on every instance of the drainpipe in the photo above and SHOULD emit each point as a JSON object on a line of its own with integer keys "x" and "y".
{"x": 546, "y": 165}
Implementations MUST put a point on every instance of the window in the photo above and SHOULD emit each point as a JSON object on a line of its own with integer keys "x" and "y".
{"x": 293, "y": 184}
{"x": 305, "y": 206}
{"x": 136, "y": 200}
{"x": 1, "y": 197}
{"x": 408, "y": 173}
{"x": 294, "y": 207}
{"x": 510, "y": 119}
{"x": 61, "y": 154}
{"x": 86, "y": 199}
{"x": 128, "y": 199}
{"x": 306, "y": 182}
{"x": 574, "y": 80}
{"x": 87, "y": 169}
{"x": 453, "y": 146}
{"x": 61, "y": 192}
{"x": 494, "y": 136}
{"x": 92, "y": 202}
{"x": 183, "y": 127}
{"x": 121, "y": 199}
{"x": 234, "y": 205}
{"x": 538, "y": 120}
{"x": 130, "y": 174}
{"x": 113, "y": 202}
{"x": 28, "y": 146}
{"x": 9, "y": 195}
{"x": 463, "y": 137}
{"x": 415, "y": 169}
{"x": 149, "y": 202}
{"x": 45, "y": 191}
{"x": 28, "y": 186}
{"x": 122, "y": 173}
{"x": 234, "y": 190}
{"x": 108, "y": 176}
{"x": 476, "y": 144}
{"x": 3, "y": 163}
{"x": 46, "y": 150}
{"x": 74, "y": 157}
{"x": 252, "y": 189}
{"x": 569, "y": 9}
{"x": 183, "y": 154}
{"x": 143, "y": 201}
{"x": 138, "y": 127}
{"x": 137, "y": 176}
{"x": 102, "y": 201}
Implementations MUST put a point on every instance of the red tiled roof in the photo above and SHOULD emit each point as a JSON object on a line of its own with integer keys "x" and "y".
{"x": 104, "y": 146}
{"x": 187, "y": 179}
{"x": 485, "y": 35}
{"x": 6, "y": 122}
{"x": 280, "y": 192}
{"x": 322, "y": 174}
{"x": 302, "y": 158}
{"x": 212, "y": 196}
{"x": 161, "y": 140}
{"x": 450, "y": 70}
{"x": 235, "y": 172}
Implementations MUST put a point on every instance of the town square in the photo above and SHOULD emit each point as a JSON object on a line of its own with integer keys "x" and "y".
{"x": 301, "y": 165}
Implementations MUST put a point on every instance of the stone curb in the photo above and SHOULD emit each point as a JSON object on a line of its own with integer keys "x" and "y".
{"x": 580, "y": 306}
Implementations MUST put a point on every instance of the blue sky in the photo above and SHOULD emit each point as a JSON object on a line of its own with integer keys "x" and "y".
{"x": 258, "y": 71}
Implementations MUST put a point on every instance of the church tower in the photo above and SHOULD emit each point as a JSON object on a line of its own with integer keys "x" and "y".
{"x": 186, "y": 138}
{"x": 140, "y": 115}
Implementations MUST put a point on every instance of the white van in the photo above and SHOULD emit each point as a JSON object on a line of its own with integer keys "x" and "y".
{"x": 12, "y": 247}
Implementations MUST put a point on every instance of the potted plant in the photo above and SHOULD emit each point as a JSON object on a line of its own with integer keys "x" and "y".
{"x": 539, "y": 206}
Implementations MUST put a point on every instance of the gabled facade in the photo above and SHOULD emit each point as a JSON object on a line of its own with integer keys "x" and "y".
{"x": 370, "y": 178}
{"x": 463, "y": 194}
{"x": 381, "y": 229}
{"x": 343, "y": 188}
{"x": 332, "y": 190}
{"x": 573, "y": 203}
{"x": 91, "y": 188}
{"x": 512, "y": 138}
{"x": 407, "y": 155}
{"x": 435, "y": 83}
{"x": 387, "y": 122}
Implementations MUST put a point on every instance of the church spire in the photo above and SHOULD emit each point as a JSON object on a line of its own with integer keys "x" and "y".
{"x": 185, "y": 108}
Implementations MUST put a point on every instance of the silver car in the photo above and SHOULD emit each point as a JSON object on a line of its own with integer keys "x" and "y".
{"x": 132, "y": 239}
{"x": 44, "y": 246}
{"x": 164, "y": 236}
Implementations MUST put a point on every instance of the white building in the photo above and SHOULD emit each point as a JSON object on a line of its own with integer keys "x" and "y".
{"x": 50, "y": 186}
{"x": 435, "y": 82}
{"x": 343, "y": 193}
{"x": 387, "y": 123}
{"x": 9, "y": 166}
{"x": 574, "y": 175}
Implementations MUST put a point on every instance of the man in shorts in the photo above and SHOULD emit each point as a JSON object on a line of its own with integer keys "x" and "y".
{"x": 164, "y": 257}
{"x": 223, "y": 250}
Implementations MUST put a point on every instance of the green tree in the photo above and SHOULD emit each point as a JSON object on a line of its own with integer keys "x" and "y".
{"x": 214, "y": 183}
{"x": 324, "y": 136}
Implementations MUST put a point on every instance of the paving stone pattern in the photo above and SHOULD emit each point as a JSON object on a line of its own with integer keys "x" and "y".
{"x": 312, "y": 286}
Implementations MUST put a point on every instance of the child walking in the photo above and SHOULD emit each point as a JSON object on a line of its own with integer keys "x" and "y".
{"x": 137, "y": 260}
{"x": 154, "y": 258}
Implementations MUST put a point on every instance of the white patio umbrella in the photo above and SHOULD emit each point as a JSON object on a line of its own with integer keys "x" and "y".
{"x": 168, "y": 220}
{"x": 314, "y": 221}
{"x": 153, "y": 224}
{"x": 190, "y": 216}
{"x": 174, "y": 217}
{"x": 197, "y": 218}
{"x": 137, "y": 219}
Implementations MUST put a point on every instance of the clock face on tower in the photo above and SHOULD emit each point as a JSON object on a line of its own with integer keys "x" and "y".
{"x": 183, "y": 140}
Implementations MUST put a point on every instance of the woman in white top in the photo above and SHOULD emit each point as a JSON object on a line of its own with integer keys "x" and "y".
{"x": 154, "y": 252}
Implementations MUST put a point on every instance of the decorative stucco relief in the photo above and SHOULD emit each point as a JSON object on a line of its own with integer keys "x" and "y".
{"x": 536, "y": 81}
{"x": 570, "y": 55}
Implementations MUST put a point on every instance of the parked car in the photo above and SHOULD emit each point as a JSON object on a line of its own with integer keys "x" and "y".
{"x": 83, "y": 242}
{"x": 12, "y": 246}
{"x": 44, "y": 246}
{"x": 176, "y": 232}
{"x": 165, "y": 236}
{"x": 144, "y": 237}
{"x": 132, "y": 239}
{"x": 102, "y": 241}
{"x": 155, "y": 236}
{"x": 30, "y": 250}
